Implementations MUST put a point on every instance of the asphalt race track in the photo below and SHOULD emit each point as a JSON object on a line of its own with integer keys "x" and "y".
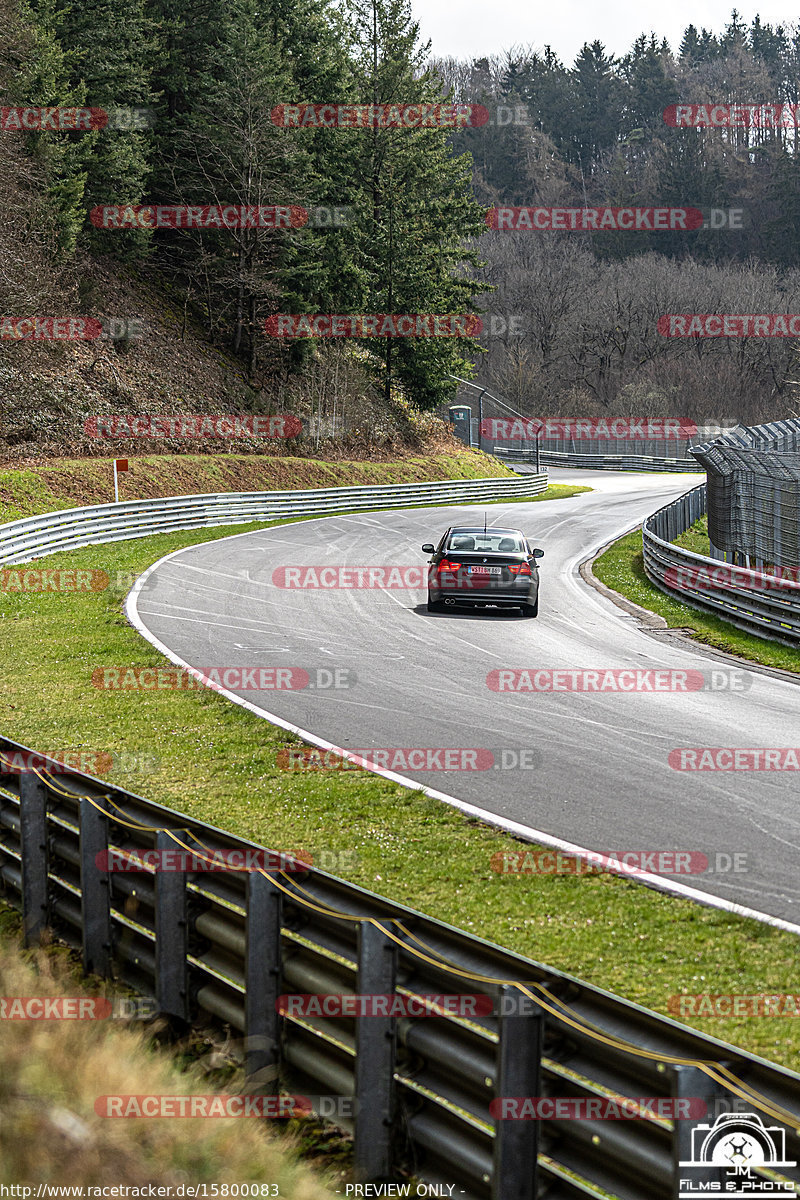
{"x": 601, "y": 776}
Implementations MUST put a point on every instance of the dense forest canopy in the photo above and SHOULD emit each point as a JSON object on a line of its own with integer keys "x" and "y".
{"x": 595, "y": 133}
{"x": 579, "y": 310}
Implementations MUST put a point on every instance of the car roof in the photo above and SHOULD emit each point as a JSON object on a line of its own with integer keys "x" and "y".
{"x": 493, "y": 529}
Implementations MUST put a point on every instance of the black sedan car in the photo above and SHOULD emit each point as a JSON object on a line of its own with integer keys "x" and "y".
{"x": 483, "y": 566}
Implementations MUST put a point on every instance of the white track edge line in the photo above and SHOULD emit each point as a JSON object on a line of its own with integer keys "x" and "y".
{"x": 525, "y": 832}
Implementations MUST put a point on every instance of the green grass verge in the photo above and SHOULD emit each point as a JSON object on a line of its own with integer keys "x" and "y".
{"x": 555, "y": 491}
{"x": 696, "y": 538}
{"x": 621, "y": 567}
{"x": 218, "y": 762}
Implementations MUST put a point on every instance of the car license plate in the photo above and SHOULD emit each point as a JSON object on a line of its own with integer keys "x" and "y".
{"x": 484, "y": 570}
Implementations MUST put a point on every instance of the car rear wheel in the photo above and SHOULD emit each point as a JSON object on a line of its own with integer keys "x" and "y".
{"x": 530, "y": 610}
{"x": 435, "y": 605}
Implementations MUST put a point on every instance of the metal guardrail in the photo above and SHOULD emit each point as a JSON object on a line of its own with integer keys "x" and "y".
{"x": 747, "y": 599}
{"x": 219, "y": 947}
{"x": 29, "y": 538}
{"x": 617, "y": 462}
{"x": 597, "y": 462}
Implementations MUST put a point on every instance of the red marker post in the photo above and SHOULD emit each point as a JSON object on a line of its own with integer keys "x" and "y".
{"x": 120, "y": 464}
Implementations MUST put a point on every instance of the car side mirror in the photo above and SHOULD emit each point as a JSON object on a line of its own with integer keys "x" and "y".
{"x": 538, "y": 554}
{"x": 428, "y": 548}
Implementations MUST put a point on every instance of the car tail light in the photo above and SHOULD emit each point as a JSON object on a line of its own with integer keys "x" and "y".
{"x": 522, "y": 569}
{"x": 446, "y": 564}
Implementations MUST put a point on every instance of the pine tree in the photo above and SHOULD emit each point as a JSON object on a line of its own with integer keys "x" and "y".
{"x": 782, "y": 231}
{"x": 312, "y": 40}
{"x": 599, "y": 102}
{"x": 47, "y": 78}
{"x": 650, "y": 88}
{"x": 414, "y": 197}
{"x": 698, "y": 47}
{"x": 228, "y": 152}
{"x": 735, "y": 34}
{"x": 109, "y": 47}
{"x": 768, "y": 44}
{"x": 189, "y": 33}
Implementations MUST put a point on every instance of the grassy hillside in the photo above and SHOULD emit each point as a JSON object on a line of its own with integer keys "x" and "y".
{"x": 47, "y": 484}
{"x": 51, "y": 1073}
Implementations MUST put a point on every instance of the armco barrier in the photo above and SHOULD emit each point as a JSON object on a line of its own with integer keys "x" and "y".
{"x": 597, "y": 462}
{"x": 617, "y": 462}
{"x": 21, "y": 541}
{"x": 770, "y": 611}
{"x": 219, "y": 947}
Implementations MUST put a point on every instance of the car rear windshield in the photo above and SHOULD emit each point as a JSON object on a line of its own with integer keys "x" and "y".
{"x": 492, "y": 543}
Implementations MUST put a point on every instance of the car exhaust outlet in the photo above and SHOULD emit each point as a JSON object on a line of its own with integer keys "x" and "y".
{"x": 449, "y": 600}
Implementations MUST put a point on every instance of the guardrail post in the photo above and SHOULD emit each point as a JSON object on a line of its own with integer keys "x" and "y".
{"x": 95, "y": 890}
{"x": 517, "y": 1073}
{"x": 376, "y": 1040}
{"x": 172, "y": 937}
{"x": 4, "y": 804}
{"x": 690, "y": 1083}
{"x": 33, "y": 795}
{"x": 262, "y": 981}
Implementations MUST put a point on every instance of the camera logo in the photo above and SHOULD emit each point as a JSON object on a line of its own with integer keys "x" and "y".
{"x": 738, "y": 1142}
